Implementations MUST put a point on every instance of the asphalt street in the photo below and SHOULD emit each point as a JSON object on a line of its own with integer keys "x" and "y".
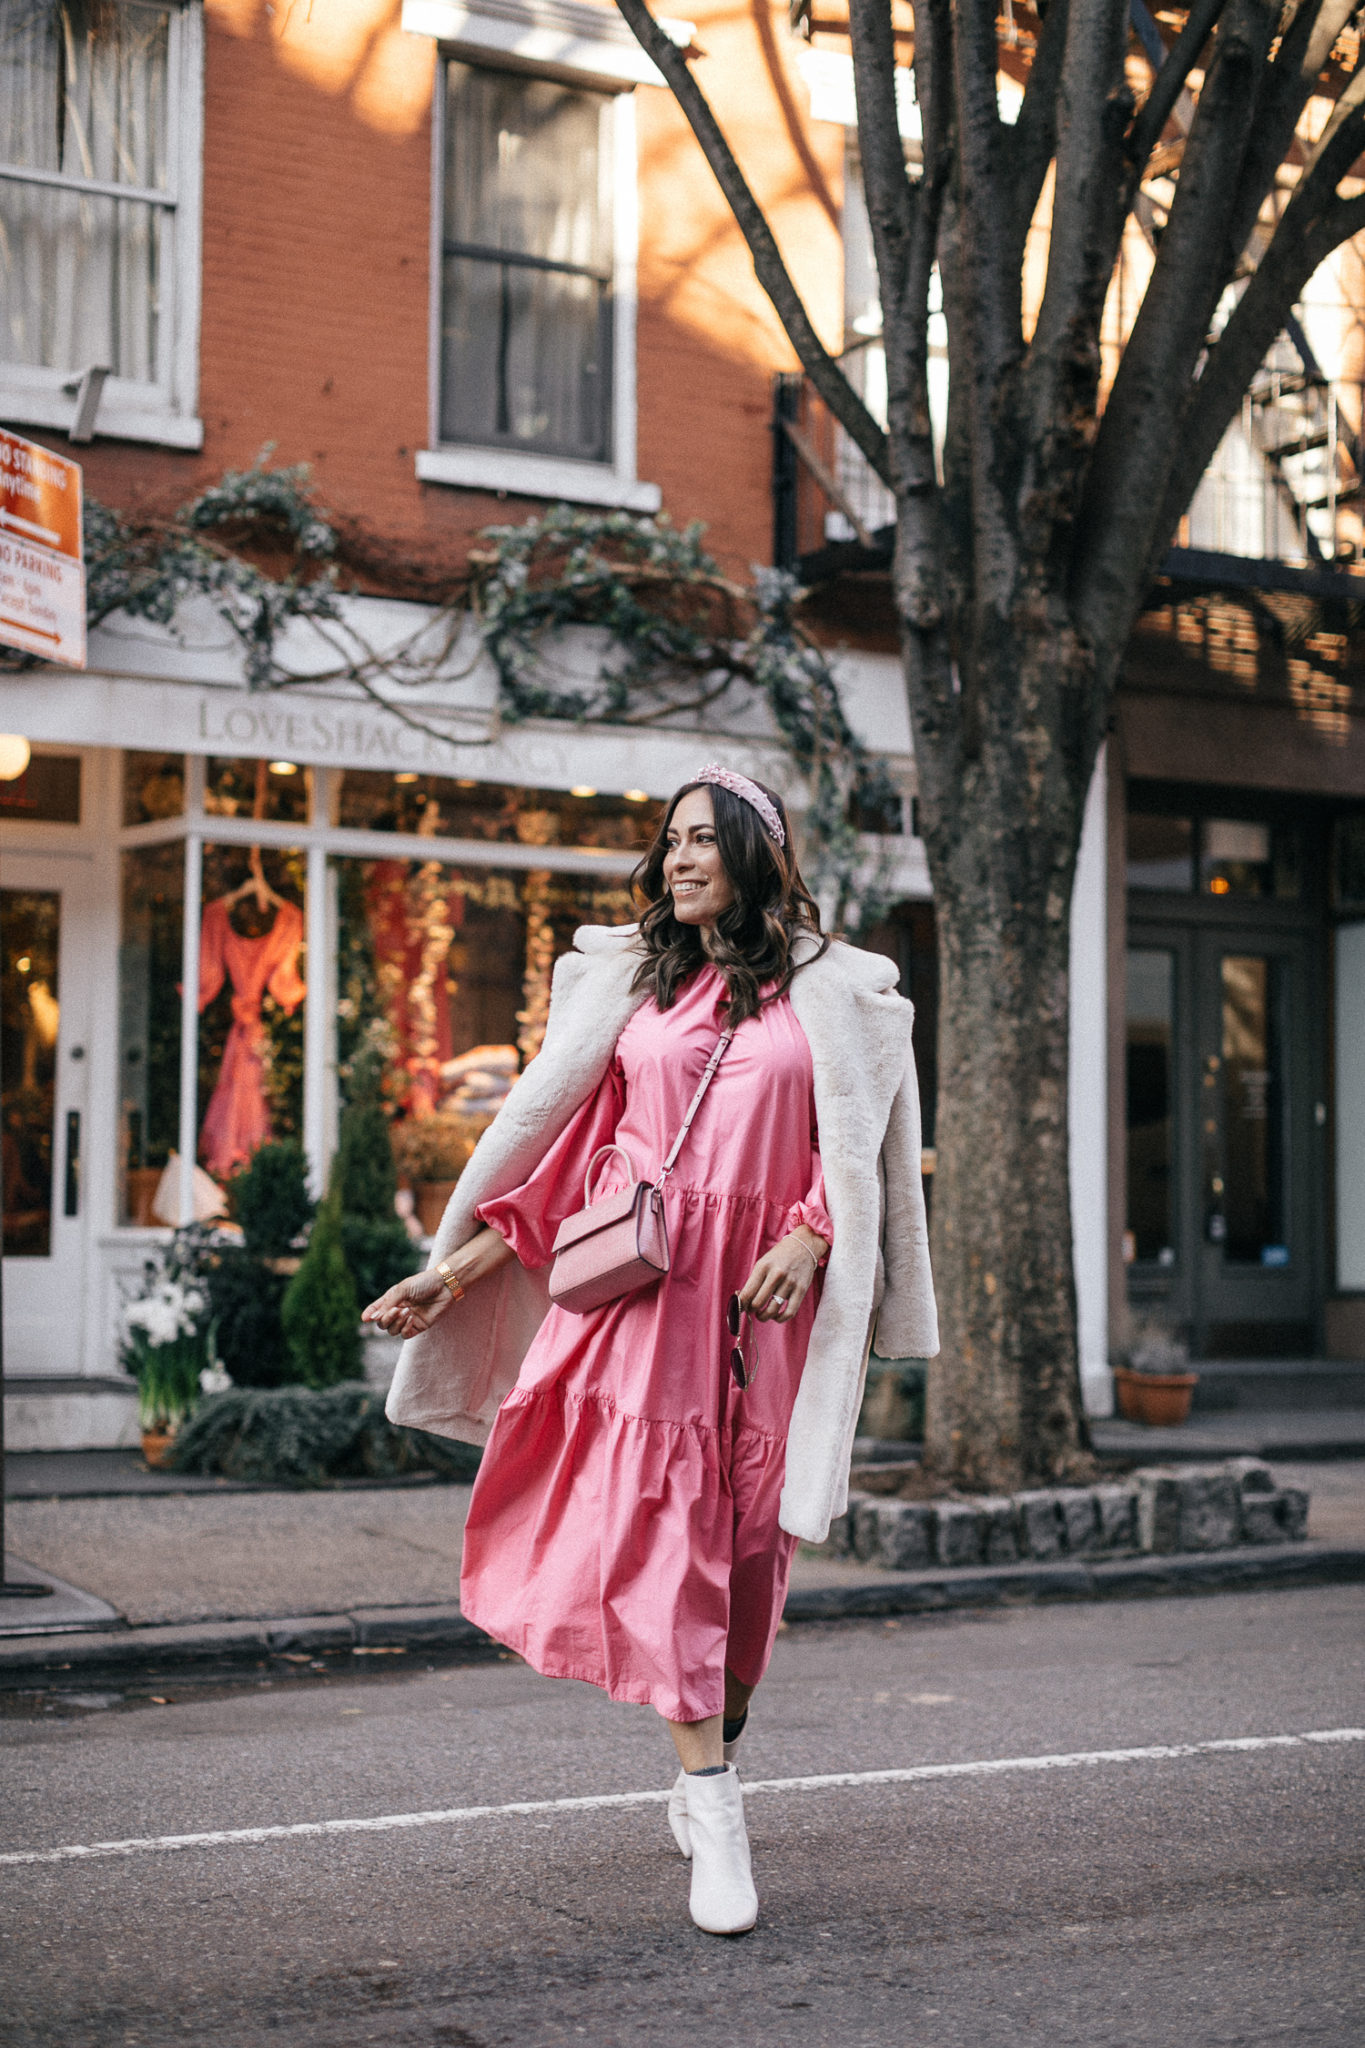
{"x": 1178, "y": 1894}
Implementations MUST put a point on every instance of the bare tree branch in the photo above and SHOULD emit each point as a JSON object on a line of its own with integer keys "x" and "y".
{"x": 1280, "y": 100}
{"x": 980, "y": 297}
{"x": 1032, "y": 141}
{"x": 1062, "y": 374}
{"x": 1299, "y": 247}
{"x": 1195, "y": 257}
{"x": 772, "y": 273}
{"x": 1170, "y": 81}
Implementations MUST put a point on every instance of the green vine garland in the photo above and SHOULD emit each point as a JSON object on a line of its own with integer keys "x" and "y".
{"x": 683, "y": 640}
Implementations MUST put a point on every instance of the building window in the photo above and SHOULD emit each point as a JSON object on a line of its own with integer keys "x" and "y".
{"x": 527, "y": 265}
{"x": 533, "y": 273}
{"x": 99, "y": 164}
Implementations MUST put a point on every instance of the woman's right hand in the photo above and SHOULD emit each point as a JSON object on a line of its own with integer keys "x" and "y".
{"x": 414, "y": 1304}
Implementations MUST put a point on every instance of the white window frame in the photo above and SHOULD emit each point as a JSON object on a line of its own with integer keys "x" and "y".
{"x": 164, "y": 411}
{"x": 588, "y": 46}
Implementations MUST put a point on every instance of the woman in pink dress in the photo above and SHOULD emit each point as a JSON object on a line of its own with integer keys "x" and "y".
{"x": 624, "y": 1527}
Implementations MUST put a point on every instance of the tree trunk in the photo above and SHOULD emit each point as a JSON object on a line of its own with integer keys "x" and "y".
{"x": 1004, "y": 1406}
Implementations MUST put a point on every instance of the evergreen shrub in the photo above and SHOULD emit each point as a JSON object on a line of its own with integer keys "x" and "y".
{"x": 298, "y": 1436}
{"x": 376, "y": 1247}
{"x": 320, "y": 1313}
{"x": 273, "y": 1206}
{"x": 270, "y": 1199}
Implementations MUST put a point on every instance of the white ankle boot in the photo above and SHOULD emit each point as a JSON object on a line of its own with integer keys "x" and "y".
{"x": 723, "y": 1898}
{"x": 677, "y": 1801}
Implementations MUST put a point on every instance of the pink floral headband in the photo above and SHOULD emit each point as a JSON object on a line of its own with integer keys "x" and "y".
{"x": 740, "y": 785}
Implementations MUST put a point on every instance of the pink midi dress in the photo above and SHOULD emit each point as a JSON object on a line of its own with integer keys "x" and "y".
{"x": 623, "y": 1527}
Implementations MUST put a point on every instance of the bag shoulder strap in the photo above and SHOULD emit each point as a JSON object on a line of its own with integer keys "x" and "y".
{"x": 717, "y": 1056}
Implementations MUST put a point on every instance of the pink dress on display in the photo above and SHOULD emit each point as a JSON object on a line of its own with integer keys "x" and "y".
{"x": 237, "y": 1120}
{"x": 623, "y": 1527}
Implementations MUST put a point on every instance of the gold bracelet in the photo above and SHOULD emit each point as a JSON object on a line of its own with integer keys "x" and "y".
{"x": 801, "y": 1245}
{"x": 451, "y": 1284}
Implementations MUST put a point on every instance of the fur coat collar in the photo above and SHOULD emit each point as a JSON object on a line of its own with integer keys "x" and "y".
{"x": 452, "y": 1379}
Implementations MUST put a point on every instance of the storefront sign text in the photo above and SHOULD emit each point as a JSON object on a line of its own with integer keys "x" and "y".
{"x": 315, "y": 735}
{"x": 42, "y": 569}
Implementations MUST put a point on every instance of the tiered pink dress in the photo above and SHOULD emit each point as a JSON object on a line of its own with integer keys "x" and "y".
{"x": 623, "y": 1528}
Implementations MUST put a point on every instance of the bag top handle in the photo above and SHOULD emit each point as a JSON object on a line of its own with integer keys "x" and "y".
{"x": 601, "y": 1153}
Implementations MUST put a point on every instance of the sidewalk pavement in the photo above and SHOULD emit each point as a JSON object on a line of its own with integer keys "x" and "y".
{"x": 211, "y": 1571}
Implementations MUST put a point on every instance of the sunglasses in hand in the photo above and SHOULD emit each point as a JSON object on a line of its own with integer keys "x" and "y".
{"x": 743, "y": 1365}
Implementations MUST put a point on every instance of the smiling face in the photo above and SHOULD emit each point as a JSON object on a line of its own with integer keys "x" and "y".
{"x": 694, "y": 874}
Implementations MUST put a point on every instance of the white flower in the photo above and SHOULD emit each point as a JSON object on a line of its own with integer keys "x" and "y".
{"x": 213, "y": 1380}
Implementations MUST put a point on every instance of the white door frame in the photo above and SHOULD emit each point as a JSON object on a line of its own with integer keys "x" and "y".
{"x": 44, "y": 1324}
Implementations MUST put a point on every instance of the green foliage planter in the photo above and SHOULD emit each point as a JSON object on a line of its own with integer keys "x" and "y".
{"x": 321, "y": 1315}
{"x": 247, "y": 1281}
{"x": 376, "y": 1247}
{"x": 297, "y": 1436}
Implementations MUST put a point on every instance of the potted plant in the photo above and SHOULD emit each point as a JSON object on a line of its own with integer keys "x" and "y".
{"x": 431, "y": 1153}
{"x": 1156, "y": 1385}
{"x": 166, "y": 1343}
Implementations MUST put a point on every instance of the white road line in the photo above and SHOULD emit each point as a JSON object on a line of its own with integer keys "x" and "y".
{"x": 221, "y": 1838}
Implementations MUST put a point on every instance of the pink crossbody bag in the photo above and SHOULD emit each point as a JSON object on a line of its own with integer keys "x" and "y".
{"x": 611, "y": 1247}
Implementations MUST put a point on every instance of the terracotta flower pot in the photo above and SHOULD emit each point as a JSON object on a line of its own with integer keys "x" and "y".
{"x": 1160, "y": 1399}
{"x": 157, "y": 1445}
{"x": 430, "y": 1198}
{"x": 142, "y": 1184}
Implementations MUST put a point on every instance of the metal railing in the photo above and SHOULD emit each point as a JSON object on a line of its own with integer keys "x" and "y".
{"x": 1287, "y": 484}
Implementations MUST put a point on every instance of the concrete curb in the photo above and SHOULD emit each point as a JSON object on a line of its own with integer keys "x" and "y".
{"x": 887, "y": 1592}
{"x": 206, "y": 1647}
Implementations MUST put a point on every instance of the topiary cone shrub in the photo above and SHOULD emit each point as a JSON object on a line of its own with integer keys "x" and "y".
{"x": 321, "y": 1315}
{"x": 246, "y": 1290}
{"x": 377, "y": 1248}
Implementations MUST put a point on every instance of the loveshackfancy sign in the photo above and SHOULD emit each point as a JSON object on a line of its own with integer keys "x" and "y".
{"x": 321, "y": 735}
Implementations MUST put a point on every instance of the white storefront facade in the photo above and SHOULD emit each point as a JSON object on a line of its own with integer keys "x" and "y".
{"x": 189, "y": 867}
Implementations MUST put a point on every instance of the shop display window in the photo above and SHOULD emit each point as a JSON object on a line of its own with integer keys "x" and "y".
{"x": 1348, "y": 866}
{"x": 443, "y": 974}
{"x": 251, "y": 992}
{"x": 375, "y": 800}
{"x": 153, "y": 787}
{"x": 280, "y": 790}
{"x": 150, "y": 954}
{"x": 1160, "y": 852}
{"x": 1247, "y": 857}
{"x": 47, "y": 793}
{"x": 30, "y": 924}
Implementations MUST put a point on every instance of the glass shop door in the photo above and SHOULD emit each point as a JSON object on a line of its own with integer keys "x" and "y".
{"x": 46, "y": 947}
{"x": 1257, "y": 1140}
{"x": 1224, "y": 1092}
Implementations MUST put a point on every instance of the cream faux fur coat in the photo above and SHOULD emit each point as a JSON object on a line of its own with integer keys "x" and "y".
{"x": 452, "y": 1379}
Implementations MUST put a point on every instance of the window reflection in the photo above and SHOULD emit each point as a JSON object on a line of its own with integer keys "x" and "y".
{"x": 375, "y": 800}
{"x": 251, "y": 992}
{"x": 153, "y": 787}
{"x": 1150, "y": 1063}
{"x": 280, "y": 790}
{"x": 150, "y": 956}
{"x": 1160, "y": 852}
{"x": 1253, "y": 1203}
{"x": 30, "y": 924}
{"x": 443, "y": 972}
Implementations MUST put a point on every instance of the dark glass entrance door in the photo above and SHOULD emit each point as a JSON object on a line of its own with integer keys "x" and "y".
{"x": 1224, "y": 1068}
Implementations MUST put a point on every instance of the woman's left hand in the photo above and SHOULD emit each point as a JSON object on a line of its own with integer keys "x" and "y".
{"x": 781, "y": 1280}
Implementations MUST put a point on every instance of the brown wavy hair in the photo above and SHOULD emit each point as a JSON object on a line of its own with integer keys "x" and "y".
{"x": 752, "y": 940}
